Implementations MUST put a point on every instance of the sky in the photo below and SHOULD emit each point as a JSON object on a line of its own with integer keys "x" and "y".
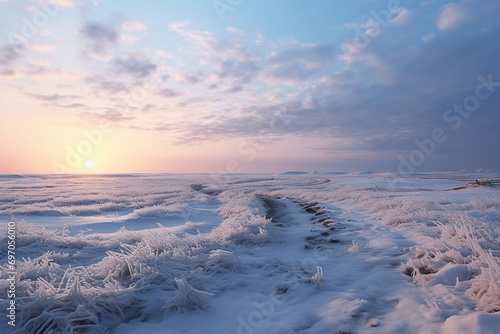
{"x": 240, "y": 86}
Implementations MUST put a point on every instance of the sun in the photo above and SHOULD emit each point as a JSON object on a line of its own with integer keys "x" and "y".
{"x": 89, "y": 164}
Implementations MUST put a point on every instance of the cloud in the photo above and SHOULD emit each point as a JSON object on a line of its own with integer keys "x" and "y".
{"x": 62, "y": 3}
{"x": 135, "y": 64}
{"x": 148, "y": 107}
{"x": 433, "y": 76}
{"x": 451, "y": 16}
{"x": 300, "y": 64}
{"x": 222, "y": 128}
{"x": 44, "y": 32}
{"x": 312, "y": 103}
{"x": 129, "y": 38}
{"x": 73, "y": 106}
{"x": 205, "y": 100}
{"x": 41, "y": 48}
{"x": 249, "y": 121}
{"x": 39, "y": 69}
{"x": 428, "y": 37}
{"x": 402, "y": 18}
{"x": 98, "y": 32}
{"x": 169, "y": 93}
{"x": 100, "y": 36}
{"x": 110, "y": 115}
{"x": 229, "y": 58}
{"x": 386, "y": 98}
{"x": 394, "y": 90}
{"x": 244, "y": 71}
{"x": 9, "y": 53}
{"x": 204, "y": 38}
{"x": 163, "y": 54}
{"x": 234, "y": 89}
{"x": 54, "y": 97}
{"x": 105, "y": 85}
{"x": 134, "y": 26}
{"x": 34, "y": 69}
{"x": 190, "y": 78}
{"x": 7, "y": 72}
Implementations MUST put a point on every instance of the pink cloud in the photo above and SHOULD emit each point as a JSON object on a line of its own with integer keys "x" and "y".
{"x": 402, "y": 18}
{"x": 450, "y": 17}
{"x": 134, "y": 26}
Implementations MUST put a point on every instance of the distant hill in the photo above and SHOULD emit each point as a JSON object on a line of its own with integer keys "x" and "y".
{"x": 315, "y": 172}
{"x": 294, "y": 173}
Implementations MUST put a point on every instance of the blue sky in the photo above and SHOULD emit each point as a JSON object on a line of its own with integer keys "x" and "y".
{"x": 249, "y": 86}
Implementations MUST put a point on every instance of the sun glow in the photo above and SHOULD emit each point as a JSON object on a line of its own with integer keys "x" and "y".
{"x": 89, "y": 164}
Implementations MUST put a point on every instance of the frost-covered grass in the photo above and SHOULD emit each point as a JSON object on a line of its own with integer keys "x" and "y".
{"x": 371, "y": 255}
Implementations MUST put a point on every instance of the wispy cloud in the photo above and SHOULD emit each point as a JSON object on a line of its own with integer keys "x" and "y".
{"x": 54, "y": 97}
{"x": 301, "y": 64}
{"x": 205, "y": 100}
{"x": 7, "y": 72}
{"x": 62, "y": 3}
{"x": 110, "y": 115}
{"x": 451, "y": 16}
{"x": 169, "y": 93}
{"x": 190, "y": 78}
{"x": 73, "y": 106}
{"x": 41, "y": 48}
{"x": 134, "y": 26}
{"x": 102, "y": 84}
{"x": 228, "y": 58}
{"x": 403, "y": 17}
{"x": 241, "y": 70}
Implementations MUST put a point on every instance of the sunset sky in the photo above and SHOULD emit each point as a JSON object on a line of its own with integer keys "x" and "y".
{"x": 249, "y": 86}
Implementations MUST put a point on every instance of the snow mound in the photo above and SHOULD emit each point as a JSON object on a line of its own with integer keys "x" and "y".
{"x": 484, "y": 323}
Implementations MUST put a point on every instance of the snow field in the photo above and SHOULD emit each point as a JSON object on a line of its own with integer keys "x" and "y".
{"x": 267, "y": 254}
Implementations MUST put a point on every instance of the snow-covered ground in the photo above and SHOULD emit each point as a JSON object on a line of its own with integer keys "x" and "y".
{"x": 294, "y": 253}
